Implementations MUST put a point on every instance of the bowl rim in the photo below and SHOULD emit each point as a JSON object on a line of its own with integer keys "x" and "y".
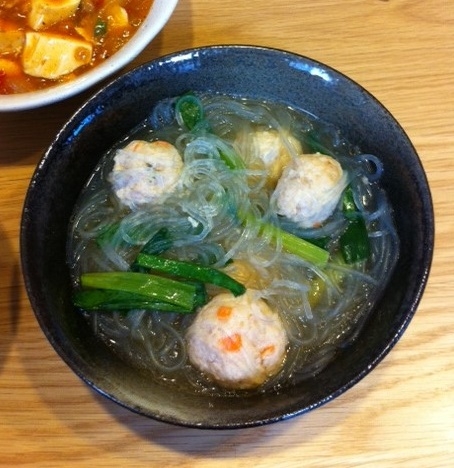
{"x": 371, "y": 363}
{"x": 159, "y": 14}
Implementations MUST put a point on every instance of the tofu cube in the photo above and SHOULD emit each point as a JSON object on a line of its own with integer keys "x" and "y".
{"x": 45, "y": 13}
{"x": 51, "y": 56}
{"x": 11, "y": 42}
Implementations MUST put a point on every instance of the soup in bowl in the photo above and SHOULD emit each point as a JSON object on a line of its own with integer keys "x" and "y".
{"x": 223, "y": 246}
{"x": 51, "y": 50}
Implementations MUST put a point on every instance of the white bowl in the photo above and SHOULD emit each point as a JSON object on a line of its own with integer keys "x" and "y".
{"x": 158, "y": 16}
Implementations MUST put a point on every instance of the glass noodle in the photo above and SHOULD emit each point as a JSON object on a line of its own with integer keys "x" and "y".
{"x": 322, "y": 307}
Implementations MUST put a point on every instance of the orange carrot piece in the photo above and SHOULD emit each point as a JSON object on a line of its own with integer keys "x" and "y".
{"x": 224, "y": 312}
{"x": 231, "y": 343}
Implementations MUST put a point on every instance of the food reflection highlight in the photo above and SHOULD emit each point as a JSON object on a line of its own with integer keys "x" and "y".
{"x": 230, "y": 245}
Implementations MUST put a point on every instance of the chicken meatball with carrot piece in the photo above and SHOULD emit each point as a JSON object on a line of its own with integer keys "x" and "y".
{"x": 237, "y": 341}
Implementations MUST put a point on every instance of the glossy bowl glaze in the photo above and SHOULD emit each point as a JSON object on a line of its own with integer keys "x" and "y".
{"x": 158, "y": 16}
{"x": 249, "y": 72}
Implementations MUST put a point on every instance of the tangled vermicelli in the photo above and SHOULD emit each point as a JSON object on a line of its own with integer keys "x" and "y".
{"x": 321, "y": 306}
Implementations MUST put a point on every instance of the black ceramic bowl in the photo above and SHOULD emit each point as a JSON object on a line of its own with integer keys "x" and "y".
{"x": 250, "y": 72}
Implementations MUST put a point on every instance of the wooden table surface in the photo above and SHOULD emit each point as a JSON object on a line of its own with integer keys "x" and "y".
{"x": 402, "y": 414}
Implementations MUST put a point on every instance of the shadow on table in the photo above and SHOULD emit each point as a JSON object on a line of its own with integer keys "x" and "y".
{"x": 227, "y": 443}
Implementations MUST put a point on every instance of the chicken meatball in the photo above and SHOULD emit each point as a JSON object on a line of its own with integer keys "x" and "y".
{"x": 270, "y": 149}
{"x": 145, "y": 171}
{"x": 310, "y": 189}
{"x": 238, "y": 341}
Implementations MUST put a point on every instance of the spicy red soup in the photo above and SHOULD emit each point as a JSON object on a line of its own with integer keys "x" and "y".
{"x": 46, "y": 42}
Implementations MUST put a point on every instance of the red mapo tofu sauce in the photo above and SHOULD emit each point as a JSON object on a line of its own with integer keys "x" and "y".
{"x": 47, "y": 42}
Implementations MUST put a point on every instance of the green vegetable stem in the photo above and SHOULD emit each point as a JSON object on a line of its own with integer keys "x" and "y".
{"x": 190, "y": 271}
{"x": 111, "y": 300}
{"x": 144, "y": 290}
{"x": 290, "y": 243}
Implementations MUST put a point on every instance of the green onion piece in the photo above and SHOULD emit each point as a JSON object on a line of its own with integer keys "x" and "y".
{"x": 189, "y": 110}
{"x": 191, "y": 271}
{"x": 354, "y": 241}
{"x": 159, "y": 289}
{"x": 229, "y": 156}
{"x": 100, "y": 28}
{"x": 232, "y": 160}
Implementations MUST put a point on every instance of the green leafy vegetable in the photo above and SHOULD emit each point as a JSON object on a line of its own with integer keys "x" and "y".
{"x": 180, "y": 295}
{"x": 190, "y": 271}
{"x": 190, "y": 113}
{"x": 348, "y": 203}
{"x": 354, "y": 241}
{"x": 159, "y": 243}
{"x": 106, "y": 299}
{"x": 107, "y": 234}
{"x": 315, "y": 145}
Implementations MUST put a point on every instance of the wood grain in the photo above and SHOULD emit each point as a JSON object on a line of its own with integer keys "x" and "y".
{"x": 402, "y": 414}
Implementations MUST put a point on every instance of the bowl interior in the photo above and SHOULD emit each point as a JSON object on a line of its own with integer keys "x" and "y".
{"x": 243, "y": 71}
{"x": 160, "y": 13}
